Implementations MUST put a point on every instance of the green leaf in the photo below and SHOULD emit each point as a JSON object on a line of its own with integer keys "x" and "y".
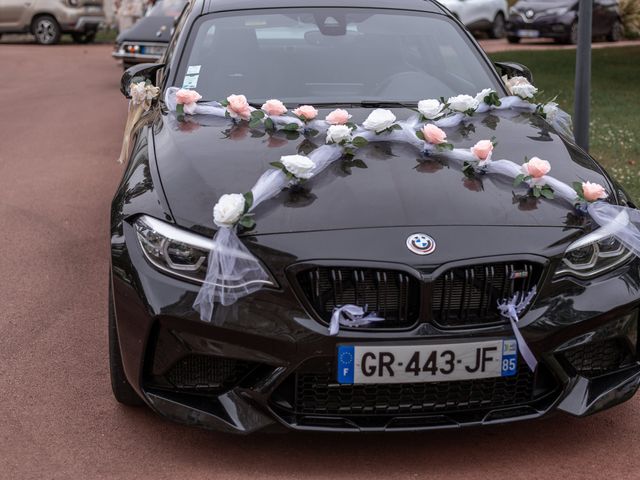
{"x": 444, "y": 147}
{"x": 247, "y": 222}
{"x": 278, "y": 165}
{"x": 420, "y": 135}
{"x": 547, "y": 192}
{"x": 312, "y": 132}
{"x": 518, "y": 180}
{"x": 359, "y": 142}
{"x": 257, "y": 114}
{"x": 395, "y": 126}
{"x": 577, "y": 186}
{"x": 359, "y": 163}
{"x": 248, "y": 201}
{"x": 351, "y": 125}
{"x": 255, "y": 123}
{"x": 180, "y": 111}
{"x": 536, "y": 191}
{"x": 268, "y": 124}
{"x": 291, "y": 127}
{"x": 224, "y": 103}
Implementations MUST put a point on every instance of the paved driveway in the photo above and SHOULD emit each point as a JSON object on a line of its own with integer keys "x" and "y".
{"x": 61, "y": 120}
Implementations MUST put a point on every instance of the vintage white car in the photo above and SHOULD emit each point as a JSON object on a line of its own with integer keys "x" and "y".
{"x": 480, "y": 15}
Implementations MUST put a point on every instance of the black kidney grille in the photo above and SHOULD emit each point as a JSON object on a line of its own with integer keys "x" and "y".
{"x": 320, "y": 394}
{"x": 468, "y": 296}
{"x": 393, "y": 295}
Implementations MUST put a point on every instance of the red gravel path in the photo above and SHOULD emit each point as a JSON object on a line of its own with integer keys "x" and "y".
{"x": 60, "y": 128}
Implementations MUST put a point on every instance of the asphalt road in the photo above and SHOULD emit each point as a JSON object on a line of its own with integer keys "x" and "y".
{"x": 61, "y": 120}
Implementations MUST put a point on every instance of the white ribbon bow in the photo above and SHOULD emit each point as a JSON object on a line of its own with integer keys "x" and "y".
{"x": 351, "y": 316}
{"x": 511, "y": 308}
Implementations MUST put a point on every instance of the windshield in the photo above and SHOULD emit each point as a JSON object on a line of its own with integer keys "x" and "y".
{"x": 167, "y": 8}
{"x": 336, "y": 55}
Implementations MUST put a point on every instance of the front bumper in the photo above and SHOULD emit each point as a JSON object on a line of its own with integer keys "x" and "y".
{"x": 263, "y": 345}
{"x": 546, "y": 26}
{"x": 147, "y": 52}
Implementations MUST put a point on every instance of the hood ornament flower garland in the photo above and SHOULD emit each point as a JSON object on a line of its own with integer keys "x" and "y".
{"x": 233, "y": 272}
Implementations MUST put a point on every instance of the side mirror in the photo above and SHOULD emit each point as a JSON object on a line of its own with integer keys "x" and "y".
{"x": 139, "y": 73}
{"x": 513, "y": 69}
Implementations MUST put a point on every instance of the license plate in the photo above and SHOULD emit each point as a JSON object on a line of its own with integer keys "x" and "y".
{"x": 426, "y": 363}
{"x": 528, "y": 33}
{"x": 152, "y": 50}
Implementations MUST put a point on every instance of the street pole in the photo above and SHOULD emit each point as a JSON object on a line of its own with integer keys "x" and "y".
{"x": 583, "y": 74}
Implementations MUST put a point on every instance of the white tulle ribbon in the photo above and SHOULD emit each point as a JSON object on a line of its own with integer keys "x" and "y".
{"x": 512, "y": 308}
{"x": 351, "y": 316}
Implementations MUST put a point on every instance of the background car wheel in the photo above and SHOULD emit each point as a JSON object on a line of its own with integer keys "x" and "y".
{"x": 46, "y": 30}
{"x": 615, "y": 35}
{"x": 122, "y": 389}
{"x": 513, "y": 39}
{"x": 86, "y": 37}
{"x": 497, "y": 29}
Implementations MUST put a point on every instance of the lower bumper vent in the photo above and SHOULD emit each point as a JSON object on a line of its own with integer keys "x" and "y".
{"x": 599, "y": 358}
{"x": 207, "y": 373}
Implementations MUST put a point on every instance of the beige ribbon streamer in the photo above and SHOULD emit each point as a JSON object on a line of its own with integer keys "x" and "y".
{"x": 142, "y": 94}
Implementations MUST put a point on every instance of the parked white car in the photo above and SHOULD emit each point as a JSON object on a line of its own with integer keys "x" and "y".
{"x": 480, "y": 15}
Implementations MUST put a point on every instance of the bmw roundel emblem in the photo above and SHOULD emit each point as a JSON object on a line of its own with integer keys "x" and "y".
{"x": 421, "y": 244}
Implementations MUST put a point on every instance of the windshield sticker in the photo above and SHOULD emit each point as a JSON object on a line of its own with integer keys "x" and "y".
{"x": 190, "y": 81}
{"x": 193, "y": 69}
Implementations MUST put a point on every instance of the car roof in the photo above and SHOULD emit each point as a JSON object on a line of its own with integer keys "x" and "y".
{"x": 211, "y": 6}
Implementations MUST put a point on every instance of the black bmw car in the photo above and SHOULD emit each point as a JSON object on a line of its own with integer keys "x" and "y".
{"x": 411, "y": 237}
{"x": 558, "y": 19}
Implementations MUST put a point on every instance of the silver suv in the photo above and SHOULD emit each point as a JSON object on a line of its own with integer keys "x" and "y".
{"x": 49, "y": 19}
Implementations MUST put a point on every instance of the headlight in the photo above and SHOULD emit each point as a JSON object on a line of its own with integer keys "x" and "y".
{"x": 588, "y": 260}
{"x": 179, "y": 252}
{"x": 557, "y": 11}
{"x": 72, "y": 3}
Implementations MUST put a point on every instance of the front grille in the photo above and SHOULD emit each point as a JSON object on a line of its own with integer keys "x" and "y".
{"x": 207, "y": 373}
{"x": 600, "y": 357}
{"x": 321, "y": 395}
{"x": 461, "y": 297}
{"x": 311, "y": 393}
{"x": 393, "y": 295}
{"x": 468, "y": 296}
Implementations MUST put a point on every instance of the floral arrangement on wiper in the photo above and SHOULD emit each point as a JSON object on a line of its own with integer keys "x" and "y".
{"x": 425, "y": 130}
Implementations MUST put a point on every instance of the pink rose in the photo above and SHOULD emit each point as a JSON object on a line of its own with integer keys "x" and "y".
{"x": 274, "y": 108}
{"x": 306, "y": 112}
{"x": 482, "y": 150}
{"x": 188, "y": 98}
{"x": 536, "y": 168}
{"x": 593, "y": 191}
{"x": 238, "y": 107}
{"x": 338, "y": 117}
{"x": 433, "y": 134}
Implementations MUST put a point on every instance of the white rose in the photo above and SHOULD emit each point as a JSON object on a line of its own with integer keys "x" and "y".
{"x": 138, "y": 92}
{"x": 430, "y": 109}
{"x": 521, "y": 87}
{"x": 379, "y": 120}
{"x": 550, "y": 110}
{"x": 482, "y": 94}
{"x": 338, "y": 133}
{"x": 462, "y": 103}
{"x": 298, "y": 165}
{"x": 228, "y": 210}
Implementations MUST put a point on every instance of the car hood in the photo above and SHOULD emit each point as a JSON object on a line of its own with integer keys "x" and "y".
{"x": 148, "y": 29}
{"x": 392, "y": 185}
